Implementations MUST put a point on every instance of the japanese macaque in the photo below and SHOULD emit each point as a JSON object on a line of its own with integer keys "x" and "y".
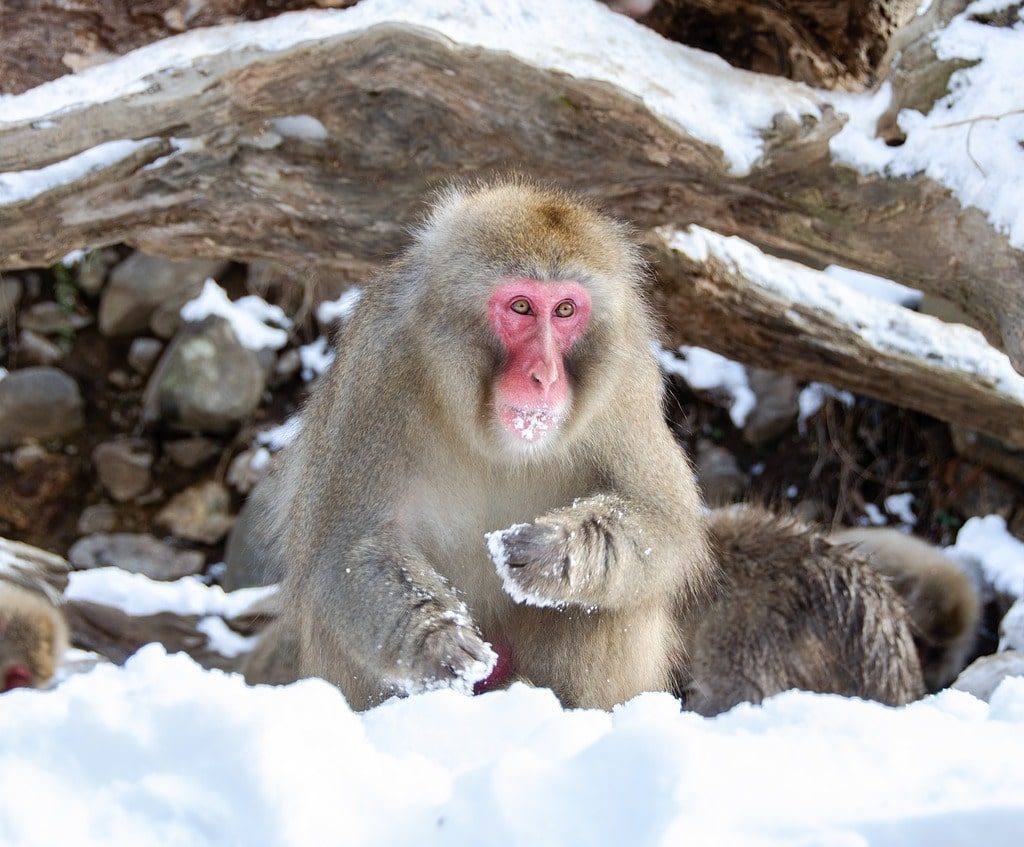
{"x": 497, "y": 380}
{"x": 33, "y": 637}
{"x": 497, "y": 375}
{"x": 941, "y": 599}
{"x": 794, "y": 611}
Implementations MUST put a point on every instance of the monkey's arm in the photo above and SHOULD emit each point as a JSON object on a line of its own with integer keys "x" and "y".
{"x": 382, "y": 605}
{"x": 600, "y": 552}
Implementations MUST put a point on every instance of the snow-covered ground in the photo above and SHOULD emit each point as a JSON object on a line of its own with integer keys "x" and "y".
{"x": 161, "y": 752}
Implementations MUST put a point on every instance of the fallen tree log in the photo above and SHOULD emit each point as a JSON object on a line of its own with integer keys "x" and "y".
{"x": 44, "y": 39}
{"x": 725, "y": 294}
{"x": 260, "y": 141}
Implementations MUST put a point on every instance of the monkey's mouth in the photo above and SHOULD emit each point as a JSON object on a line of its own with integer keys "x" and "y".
{"x": 531, "y": 425}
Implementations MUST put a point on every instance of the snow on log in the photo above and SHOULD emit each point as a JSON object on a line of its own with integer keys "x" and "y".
{"x": 30, "y": 567}
{"x": 114, "y": 612}
{"x": 725, "y": 294}
{"x": 312, "y": 137}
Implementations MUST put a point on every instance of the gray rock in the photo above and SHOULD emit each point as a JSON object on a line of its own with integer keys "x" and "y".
{"x": 142, "y": 554}
{"x": 11, "y": 291}
{"x": 25, "y": 457}
{"x": 206, "y": 380}
{"x": 49, "y": 318}
{"x": 143, "y": 353}
{"x": 720, "y": 476}
{"x": 33, "y": 349}
{"x": 100, "y": 517}
{"x": 141, "y": 284}
{"x": 38, "y": 403}
{"x": 982, "y": 676}
{"x": 93, "y": 269}
{"x": 777, "y": 406}
{"x": 199, "y": 513}
{"x": 124, "y": 467}
{"x": 190, "y": 453}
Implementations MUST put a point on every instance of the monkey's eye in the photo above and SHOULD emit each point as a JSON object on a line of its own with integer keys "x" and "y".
{"x": 521, "y": 306}
{"x": 565, "y": 309}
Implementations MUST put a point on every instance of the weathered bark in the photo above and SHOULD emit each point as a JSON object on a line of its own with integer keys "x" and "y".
{"x": 116, "y": 635}
{"x": 30, "y": 567}
{"x": 711, "y": 302}
{"x": 45, "y": 39}
{"x": 403, "y": 109}
{"x": 918, "y": 76}
{"x": 834, "y": 45}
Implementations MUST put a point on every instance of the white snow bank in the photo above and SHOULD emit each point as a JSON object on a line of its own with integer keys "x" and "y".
{"x": 250, "y": 316}
{"x": 223, "y": 639}
{"x": 1000, "y": 553}
{"x": 700, "y": 92}
{"x": 705, "y": 370}
{"x": 1011, "y": 628}
{"x": 876, "y": 286}
{"x": 304, "y": 127}
{"x": 874, "y": 515}
{"x": 19, "y": 186}
{"x": 178, "y": 146}
{"x": 330, "y": 311}
{"x": 971, "y": 139}
{"x": 812, "y": 398}
{"x": 899, "y": 506}
{"x": 316, "y": 357}
{"x": 161, "y": 752}
{"x": 280, "y": 436}
{"x": 136, "y": 594}
{"x": 889, "y": 329}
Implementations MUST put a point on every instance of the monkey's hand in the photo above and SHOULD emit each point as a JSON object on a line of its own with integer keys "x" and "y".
{"x": 582, "y": 555}
{"x": 445, "y": 651}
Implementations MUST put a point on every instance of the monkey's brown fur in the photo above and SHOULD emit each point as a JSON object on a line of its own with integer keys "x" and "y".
{"x": 383, "y": 503}
{"x": 940, "y": 597}
{"x": 33, "y": 634}
{"x": 795, "y": 611}
{"x": 399, "y": 473}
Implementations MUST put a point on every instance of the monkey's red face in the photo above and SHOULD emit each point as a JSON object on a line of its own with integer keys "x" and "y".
{"x": 537, "y": 323}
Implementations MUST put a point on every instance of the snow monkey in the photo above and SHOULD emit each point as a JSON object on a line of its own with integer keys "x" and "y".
{"x": 33, "y": 636}
{"x": 497, "y": 380}
{"x": 795, "y": 611}
{"x": 943, "y": 602}
{"x": 497, "y": 375}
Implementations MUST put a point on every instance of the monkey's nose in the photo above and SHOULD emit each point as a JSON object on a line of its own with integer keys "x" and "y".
{"x": 545, "y": 373}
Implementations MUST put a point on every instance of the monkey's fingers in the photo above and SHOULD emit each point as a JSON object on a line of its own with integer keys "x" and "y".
{"x": 452, "y": 655}
{"x": 534, "y": 563}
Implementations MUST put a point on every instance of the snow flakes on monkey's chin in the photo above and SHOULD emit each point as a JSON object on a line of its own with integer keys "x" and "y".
{"x": 499, "y": 555}
{"x": 530, "y": 425}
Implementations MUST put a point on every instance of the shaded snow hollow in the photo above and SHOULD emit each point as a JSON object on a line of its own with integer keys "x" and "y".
{"x": 161, "y": 752}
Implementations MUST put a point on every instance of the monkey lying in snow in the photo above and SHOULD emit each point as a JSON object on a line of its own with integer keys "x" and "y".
{"x": 794, "y": 611}
{"x": 497, "y": 379}
{"x": 33, "y": 637}
{"x": 942, "y": 601}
